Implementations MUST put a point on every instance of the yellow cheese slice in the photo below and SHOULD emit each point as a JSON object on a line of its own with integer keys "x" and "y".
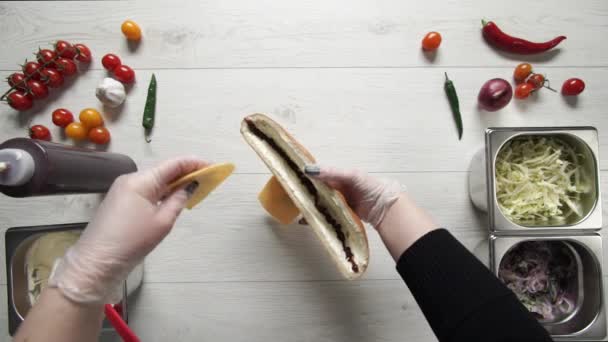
{"x": 277, "y": 202}
{"x": 207, "y": 178}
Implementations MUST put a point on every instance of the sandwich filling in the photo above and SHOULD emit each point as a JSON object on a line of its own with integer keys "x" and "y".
{"x": 312, "y": 190}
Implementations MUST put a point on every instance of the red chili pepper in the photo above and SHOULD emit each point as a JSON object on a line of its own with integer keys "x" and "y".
{"x": 501, "y": 40}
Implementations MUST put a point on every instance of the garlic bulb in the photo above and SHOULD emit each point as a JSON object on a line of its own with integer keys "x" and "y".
{"x": 111, "y": 92}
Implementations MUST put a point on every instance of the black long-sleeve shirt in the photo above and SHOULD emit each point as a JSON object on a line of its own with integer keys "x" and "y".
{"x": 460, "y": 298}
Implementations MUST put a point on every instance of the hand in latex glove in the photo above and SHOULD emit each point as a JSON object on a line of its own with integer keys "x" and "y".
{"x": 129, "y": 223}
{"x": 369, "y": 197}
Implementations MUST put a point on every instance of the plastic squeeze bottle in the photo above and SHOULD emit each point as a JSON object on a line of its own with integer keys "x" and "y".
{"x": 30, "y": 167}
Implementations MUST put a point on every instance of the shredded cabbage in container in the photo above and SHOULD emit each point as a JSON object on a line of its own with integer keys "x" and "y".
{"x": 539, "y": 179}
{"x": 543, "y": 277}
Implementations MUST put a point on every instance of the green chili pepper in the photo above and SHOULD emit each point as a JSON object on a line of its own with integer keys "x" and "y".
{"x": 450, "y": 91}
{"x": 150, "y": 108}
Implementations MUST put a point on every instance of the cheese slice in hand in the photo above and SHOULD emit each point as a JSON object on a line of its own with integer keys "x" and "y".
{"x": 277, "y": 202}
{"x": 207, "y": 178}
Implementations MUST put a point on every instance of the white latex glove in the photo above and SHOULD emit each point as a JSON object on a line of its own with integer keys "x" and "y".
{"x": 369, "y": 197}
{"x": 133, "y": 218}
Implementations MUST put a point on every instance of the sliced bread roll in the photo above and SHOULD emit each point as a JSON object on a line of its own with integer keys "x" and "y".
{"x": 325, "y": 209}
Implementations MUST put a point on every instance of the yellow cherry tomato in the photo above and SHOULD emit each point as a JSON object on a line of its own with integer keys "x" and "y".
{"x": 90, "y": 118}
{"x": 76, "y": 131}
{"x": 131, "y": 30}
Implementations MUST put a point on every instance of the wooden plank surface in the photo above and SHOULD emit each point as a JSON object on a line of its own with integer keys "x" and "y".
{"x": 380, "y": 120}
{"x": 349, "y": 80}
{"x": 302, "y": 311}
{"x": 309, "y": 33}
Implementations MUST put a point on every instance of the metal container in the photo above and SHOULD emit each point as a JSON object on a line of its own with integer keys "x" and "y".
{"x": 482, "y": 188}
{"x": 17, "y": 242}
{"x": 579, "y": 235}
{"x": 588, "y": 320}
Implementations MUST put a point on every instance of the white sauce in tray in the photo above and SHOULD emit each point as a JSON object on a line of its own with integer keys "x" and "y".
{"x": 42, "y": 255}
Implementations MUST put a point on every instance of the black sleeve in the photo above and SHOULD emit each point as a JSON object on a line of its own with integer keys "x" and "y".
{"x": 460, "y": 298}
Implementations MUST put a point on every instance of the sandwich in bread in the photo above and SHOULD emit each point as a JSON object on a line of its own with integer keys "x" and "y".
{"x": 325, "y": 209}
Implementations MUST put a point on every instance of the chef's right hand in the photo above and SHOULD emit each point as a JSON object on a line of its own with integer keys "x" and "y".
{"x": 137, "y": 213}
{"x": 369, "y": 197}
{"x": 384, "y": 204}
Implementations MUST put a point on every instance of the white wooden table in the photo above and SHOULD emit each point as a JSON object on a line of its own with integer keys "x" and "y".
{"x": 349, "y": 80}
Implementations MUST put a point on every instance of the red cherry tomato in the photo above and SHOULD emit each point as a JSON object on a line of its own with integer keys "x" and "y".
{"x": 51, "y": 77}
{"x": 537, "y": 81}
{"x": 32, "y": 69}
{"x": 523, "y": 90}
{"x": 66, "y": 66}
{"x": 37, "y": 89}
{"x": 46, "y": 57}
{"x": 40, "y": 132}
{"x": 110, "y": 61}
{"x": 99, "y": 135}
{"x": 62, "y": 117}
{"x": 65, "y": 49}
{"x": 16, "y": 80}
{"x": 124, "y": 74}
{"x": 83, "y": 53}
{"x": 431, "y": 41}
{"x": 20, "y": 100}
{"x": 573, "y": 86}
{"x": 521, "y": 72}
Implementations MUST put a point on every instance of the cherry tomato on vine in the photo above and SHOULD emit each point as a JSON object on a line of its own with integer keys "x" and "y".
{"x": 537, "y": 81}
{"x": 99, "y": 135}
{"x": 32, "y": 69}
{"x": 51, "y": 77}
{"x": 46, "y": 57}
{"x": 523, "y": 90}
{"x": 83, "y": 53}
{"x": 124, "y": 74}
{"x": 65, "y": 49}
{"x": 131, "y": 30}
{"x": 62, "y": 117}
{"x": 16, "y": 80}
{"x": 20, "y": 100}
{"x": 66, "y": 66}
{"x": 431, "y": 41}
{"x": 76, "y": 131}
{"x": 37, "y": 89}
{"x": 573, "y": 86}
{"x": 40, "y": 132}
{"x": 90, "y": 118}
{"x": 522, "y": 71}
{"x": 110, "y": 61}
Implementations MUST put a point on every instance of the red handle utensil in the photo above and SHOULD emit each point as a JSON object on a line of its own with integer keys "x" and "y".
{"x": 119, "y": 325}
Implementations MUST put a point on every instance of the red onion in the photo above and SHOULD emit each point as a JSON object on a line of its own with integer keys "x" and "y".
{"x": 495, "y": 94}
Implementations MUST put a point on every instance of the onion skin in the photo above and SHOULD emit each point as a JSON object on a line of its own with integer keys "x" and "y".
{"x": 495, "y": 94}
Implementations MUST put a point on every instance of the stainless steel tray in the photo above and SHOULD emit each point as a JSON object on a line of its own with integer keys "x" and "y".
{"x": 482, "y": 187}
{"x": 588, "y": 321}
{"x": 17, "y": 242}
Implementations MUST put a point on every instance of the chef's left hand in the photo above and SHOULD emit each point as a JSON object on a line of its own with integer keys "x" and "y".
{"x": 137, "y": 213}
